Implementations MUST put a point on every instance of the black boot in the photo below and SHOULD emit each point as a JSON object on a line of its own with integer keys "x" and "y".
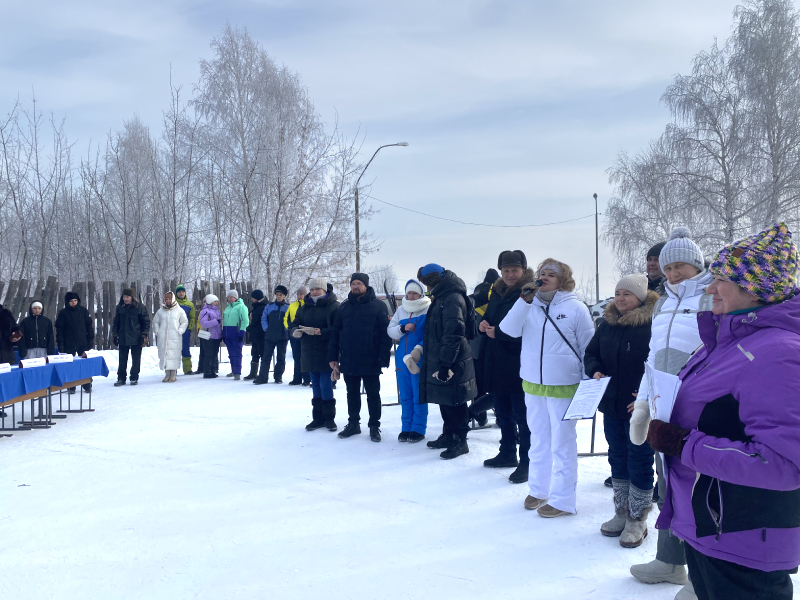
{"x": 329, "y": 413}
{"x": 501, "y": 461}
{"x": 253, "y": 371}
{"x": 460, "y": 447}
{"x": 119, "y": 382}
{"x": 520, "y": 474}
{"x": 317, "y": 419}
{"x": 350, "y": 430}
{"x": 375, "y": 434}
{"x": 134, "y": 381}
{"x": 443, "y": 441}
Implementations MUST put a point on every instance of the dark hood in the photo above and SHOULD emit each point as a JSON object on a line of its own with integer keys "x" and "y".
{"x": 71, "y": 296}
{"x": 491, "y": 276}
{"x": 450, "y": 284}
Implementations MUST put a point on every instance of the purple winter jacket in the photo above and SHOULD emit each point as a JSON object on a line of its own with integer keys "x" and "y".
{"x": 734, "y": 494}
{"x": 211, "y": 319}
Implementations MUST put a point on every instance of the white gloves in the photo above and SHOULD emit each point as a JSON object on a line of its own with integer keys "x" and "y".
{"x": 412, "y": 358}
{"x": 640, "y": 422}
{"x": 297, "y": 333}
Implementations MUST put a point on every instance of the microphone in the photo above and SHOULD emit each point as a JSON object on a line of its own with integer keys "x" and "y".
{"x": 539, "y": 283}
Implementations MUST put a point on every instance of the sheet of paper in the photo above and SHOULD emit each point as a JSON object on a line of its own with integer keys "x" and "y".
{"x": 5, "y": 367}
{"x": 586, "y": 399}
{"x": 32, "y": 362}
{"x": 663, "y": 391}
{"x": 59, "y": 358}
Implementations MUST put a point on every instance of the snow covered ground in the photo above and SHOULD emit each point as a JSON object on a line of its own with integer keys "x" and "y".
{"x": 212, "y": 489}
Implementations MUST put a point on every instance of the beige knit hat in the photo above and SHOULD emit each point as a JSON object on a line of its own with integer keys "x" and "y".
{"x": 318, "y": 282}
{"x": 635, "y": 283}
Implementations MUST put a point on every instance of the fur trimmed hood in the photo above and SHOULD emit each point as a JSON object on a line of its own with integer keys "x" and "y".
{"x": 637, "y": 317}
{"x": 502, "y": 289}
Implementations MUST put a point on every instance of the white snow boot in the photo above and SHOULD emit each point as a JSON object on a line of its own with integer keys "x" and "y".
{"x": 657, "y": 571}
{"x": 616, "y": 525}
{"x": 639, "y": 504}
{"x": 173, "y": 376}
{"x": 166, "y": 377}
{"x": 687, "y": 592}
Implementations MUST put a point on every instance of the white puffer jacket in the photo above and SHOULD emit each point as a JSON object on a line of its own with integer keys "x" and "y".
{"x": 546, "y": 359}
{"x": 674, "y": 333}
{"x": 168, "y": 327}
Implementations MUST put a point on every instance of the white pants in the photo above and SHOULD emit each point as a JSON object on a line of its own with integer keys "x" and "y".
{"x": 553, "y": 470}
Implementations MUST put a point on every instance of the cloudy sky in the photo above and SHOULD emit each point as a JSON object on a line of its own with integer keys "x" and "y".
{"x": 513, "y": 110}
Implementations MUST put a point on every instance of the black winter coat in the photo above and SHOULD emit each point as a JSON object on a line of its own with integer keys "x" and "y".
{"x": 254, "y": 328}
{"x": 8, "y": 327}
{"x": 445, "y": 346}
{"x": 619, "y": 349}
{"x": 74, "y": 329}
{"x": 37, "y": 332}
{"x": 359, "y": 340}
{"x": 131, "y": 322}
{"x": 320, "y": 315}
{"x": 480, "y": 300}
{"x": 502, "y": 354}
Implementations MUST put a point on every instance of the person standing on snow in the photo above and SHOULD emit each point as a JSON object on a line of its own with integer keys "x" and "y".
{"x": 674, "y": 338}
{"x": 408, "y": 327}
{"x": 311, "y": 326}
{"x": 555, "y": 328}
{"x": 234, "y": 326}
{"x": 129, "y": 332}
{"x": 37, "y": 339}
{"x": 74, "y": 330}
{"x": 447, "y": 372}
{"x": 502, "y": 365}
{"x": 300, "y": 377}
{"x": 211, "y": 322}
{"x": 619, "y": 350}
{"x": 188, "y": 308}
{"x": 257, "y": 305}
{"x": 360, "y": 348}
{"x": 731, "y": 454}
{"x": 480, "y": 300}
{"x": 275, "y": 337}
{"x": 169, "y": 325}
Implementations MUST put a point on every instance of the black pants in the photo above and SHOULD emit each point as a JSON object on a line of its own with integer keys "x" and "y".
{"x": 480, "y": 377}
{"x": 372, "y": 384}
{"x": 456, "y": 420}
{"x": 210, "y": 357}
{"x": 256, "y": 348}
{"x": 136, "y": 360}
{"x": 717, "y": 579}
{"x": 510, "y": 410}
{"x": 296, "y": 354}
{"x": 266, "y": 359}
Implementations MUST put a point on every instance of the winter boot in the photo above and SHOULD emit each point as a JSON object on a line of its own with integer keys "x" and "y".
{"x": 532, "y": 503}
{"x": 551, "y": 512}
{"x": 458, "y": 448}
{"x": 253, "y": 371}
{"x": 350, "y": 429}
{"x": 87, "y": 387}
{"x": 166, "y": 377}
{"x": 520, "y": 474}
{"x": 403, "y": 437}
{"x": 657, "y": 571}
{"x": 615, "y": 526}
{"x": 443, "y": 441}
{"x": 329, "y": 413}
{"x": 119, "y": 382}
{"x": 414, "y": 437}
{"x": 609, "y": 482}
{"x": 317, "y": 420}
{"x": 237, "y": 376}
{"x": 687, "y": 592}
{"x": 134, "y": 381}
{"x": 172, "y": 376}
{"x": 501, "y": 461}
{"x": 375, "y": 434}
{"x": 639, "y": 504}
{"x": 296, "y": 382}
{"x": 229, "y": 375}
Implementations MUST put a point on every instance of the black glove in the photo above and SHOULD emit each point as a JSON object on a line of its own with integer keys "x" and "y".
{"x": 444, "y": 374}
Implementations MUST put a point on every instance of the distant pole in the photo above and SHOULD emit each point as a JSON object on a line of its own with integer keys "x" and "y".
{"x": 596, "y": 251}
{"x": 355, "y": 193}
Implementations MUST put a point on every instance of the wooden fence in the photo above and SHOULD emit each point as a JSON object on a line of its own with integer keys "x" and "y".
{"x": 17, "y": 295}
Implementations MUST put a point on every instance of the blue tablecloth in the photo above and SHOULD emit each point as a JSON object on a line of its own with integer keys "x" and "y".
{"x": 24, "y": 381}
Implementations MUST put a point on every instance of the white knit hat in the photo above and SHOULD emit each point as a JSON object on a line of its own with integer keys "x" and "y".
{"x": 681, "y": 248}
{"x": 319, "y": 283}
{"x": 635, "y": 283}
{"x": 415, "y": 286}
{"x": 233, "y": 293}
{"x": 211, "y": 298}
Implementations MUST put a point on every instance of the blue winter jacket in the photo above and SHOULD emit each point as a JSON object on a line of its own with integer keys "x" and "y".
{"x": 272, "y": 321}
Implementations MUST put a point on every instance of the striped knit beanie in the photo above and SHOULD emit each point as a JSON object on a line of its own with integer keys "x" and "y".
{"x": 681, "y": 248}
{"x": 763, "y": 264}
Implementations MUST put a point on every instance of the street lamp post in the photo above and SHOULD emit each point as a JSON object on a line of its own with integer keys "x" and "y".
{"x": 596, "y": 251}
{"x": 358, "y": 230}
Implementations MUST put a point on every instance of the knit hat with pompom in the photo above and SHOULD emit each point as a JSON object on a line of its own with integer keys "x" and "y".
{"x": 681, "y": 248}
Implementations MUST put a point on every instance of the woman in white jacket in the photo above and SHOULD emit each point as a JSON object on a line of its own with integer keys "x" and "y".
{"x": 674, "y": 338}
{"x": 168, "y": 326}
{"x": 555, "y": 328}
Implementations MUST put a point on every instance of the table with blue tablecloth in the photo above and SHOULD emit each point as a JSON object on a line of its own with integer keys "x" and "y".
{"x": 37, "y": 382}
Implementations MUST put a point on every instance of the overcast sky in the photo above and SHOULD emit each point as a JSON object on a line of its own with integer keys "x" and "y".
{"x": 513, "y": 110}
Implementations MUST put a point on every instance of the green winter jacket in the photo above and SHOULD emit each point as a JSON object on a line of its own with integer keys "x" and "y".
{"x": 236, "y": 315}
{"x": 191, "y": 315}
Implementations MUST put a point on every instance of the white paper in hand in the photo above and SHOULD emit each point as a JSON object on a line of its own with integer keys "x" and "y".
{"x": 586, "y": 399}
{"x": 662, "y": 393}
